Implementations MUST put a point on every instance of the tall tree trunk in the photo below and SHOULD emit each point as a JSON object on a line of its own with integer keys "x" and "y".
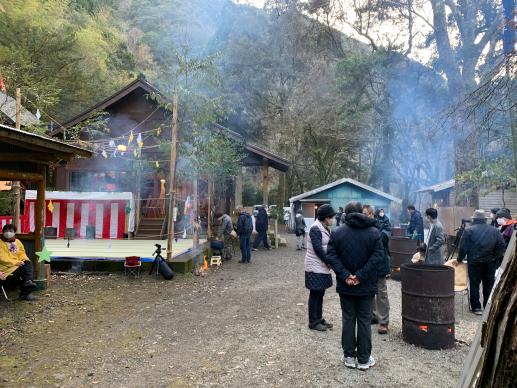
{"x": 464, "y": 132}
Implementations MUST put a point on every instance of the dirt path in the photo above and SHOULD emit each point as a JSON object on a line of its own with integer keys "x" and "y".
{"x": 242, "y": 326}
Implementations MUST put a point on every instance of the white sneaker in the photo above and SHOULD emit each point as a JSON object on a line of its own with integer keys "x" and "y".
{"x": 350, "y": 362}
{"x": 369, "y": 364}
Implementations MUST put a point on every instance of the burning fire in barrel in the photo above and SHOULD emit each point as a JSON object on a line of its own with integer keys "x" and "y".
{"x": 402, "y": 250}
{"x": 428, "y": 305}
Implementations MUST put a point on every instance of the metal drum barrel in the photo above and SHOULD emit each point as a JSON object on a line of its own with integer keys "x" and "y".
{"x": 428, "y": 305}
{"x": 399, "y": 232}
{"x": 402, "y": 250}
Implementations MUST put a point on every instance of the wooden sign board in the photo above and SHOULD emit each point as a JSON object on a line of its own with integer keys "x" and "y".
{"x": 451, "y": 217}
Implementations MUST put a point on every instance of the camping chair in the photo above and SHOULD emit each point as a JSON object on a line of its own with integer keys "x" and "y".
{"x": 3, "y": 290}
{"x": 132, "y": 266}
{"x": 460, "y": 282}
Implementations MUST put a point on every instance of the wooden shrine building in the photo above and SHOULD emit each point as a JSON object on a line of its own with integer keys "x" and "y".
{"x": 26, "y": 157}
{"x": 138, "y": 108}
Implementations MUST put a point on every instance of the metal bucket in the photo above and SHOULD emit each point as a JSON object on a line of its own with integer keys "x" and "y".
{"x": 402, "y": 250}
{"x": 428, "y": 305}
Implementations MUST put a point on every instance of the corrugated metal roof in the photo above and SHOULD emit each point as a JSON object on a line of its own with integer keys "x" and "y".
{"x": 8, "y": 108}
{"x": 340, "y": 182}
{"x": 438, "y": 187}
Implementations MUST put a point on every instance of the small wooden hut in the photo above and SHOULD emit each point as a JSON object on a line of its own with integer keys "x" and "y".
{"x": 25, "y": 157}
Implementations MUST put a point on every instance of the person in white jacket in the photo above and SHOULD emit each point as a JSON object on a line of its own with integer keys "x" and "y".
{"x": 317, "y": 273}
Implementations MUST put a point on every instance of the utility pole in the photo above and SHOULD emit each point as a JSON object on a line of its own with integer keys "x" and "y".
{"x": 16, "y": 184}
{"x": 172, "y": 176}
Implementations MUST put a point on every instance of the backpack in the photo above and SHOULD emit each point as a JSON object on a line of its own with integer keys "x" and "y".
{"x": 248, "y": 227}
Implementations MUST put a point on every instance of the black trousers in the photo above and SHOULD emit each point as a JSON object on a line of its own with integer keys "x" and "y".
{"x": 357, "y": 316}
{"x": 24, "y": 273}
{"x": 481, "y": 273}
{"x": 261, "y": 237}
{"x": 315, "y": 307}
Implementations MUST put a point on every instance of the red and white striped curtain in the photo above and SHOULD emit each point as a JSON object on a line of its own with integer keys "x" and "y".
{"x": 108, "y": 217}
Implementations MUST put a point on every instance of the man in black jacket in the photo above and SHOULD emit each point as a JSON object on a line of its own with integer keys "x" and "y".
{"x": 339, "y": 214}
{"x": 261, "y": 226}
{"x": 244, "y": 230}
{"x": 416, "y": 224}
{"x": 483, "y": 246}
{"x": 354, "y": 253}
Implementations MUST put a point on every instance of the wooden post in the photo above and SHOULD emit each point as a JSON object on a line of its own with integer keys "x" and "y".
{"x": 48, "y": 275}
{"x": 265, "y": 182}
{"x": 276, "y": 232}
{"x": 16, "y": 184}
{"x": 195, "y": 242}
{"x": 39, "y": 215}
{"x": 172, "y": 176}
{"x": 238, "y": 189}
{"x": 138, "y": 197}
{"x": 16, "y": 189}
{"x": 18, "y": 108}
{"x": 209, "y": 215}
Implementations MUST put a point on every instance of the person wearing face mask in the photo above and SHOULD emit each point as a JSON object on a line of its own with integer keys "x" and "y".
{"x": 483, "y": 246}
{"x": 14, "y": 262}
{"x": 317, "y": 273}
{"x": 506, "y": 223}
{"x": 493, "y": 217}
{"x": 436, "y": 238}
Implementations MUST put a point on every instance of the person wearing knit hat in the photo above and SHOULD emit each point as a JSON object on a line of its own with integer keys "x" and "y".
{"x": 483, "y": 246}
{"x": 317, "y": 272}
{"x": 506, "y": 224}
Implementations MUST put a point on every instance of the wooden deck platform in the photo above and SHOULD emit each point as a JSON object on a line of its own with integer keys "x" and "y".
{"x": 113, "y": 250}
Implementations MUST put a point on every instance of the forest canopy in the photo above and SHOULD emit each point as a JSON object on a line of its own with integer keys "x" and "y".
{"x": 283, "y": 76}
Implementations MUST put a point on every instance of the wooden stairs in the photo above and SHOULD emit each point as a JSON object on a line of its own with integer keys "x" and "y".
{"x": 150, "y": 228}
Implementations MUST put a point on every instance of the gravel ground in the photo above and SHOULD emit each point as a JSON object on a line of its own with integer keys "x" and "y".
{"x": 241, "y": 326}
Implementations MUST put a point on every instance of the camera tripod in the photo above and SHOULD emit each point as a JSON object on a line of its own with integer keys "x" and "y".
{"x": 157, "y": 260}
{"x": 457, "y": 239}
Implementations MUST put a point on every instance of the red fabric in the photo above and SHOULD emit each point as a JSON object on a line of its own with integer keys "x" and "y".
{"x": 106, "y": 220}
{"x": 62, "y": 218}
{"x": 121, "y": 217}
{"x": 132, "y": 261}
{"x": 48, "y": 215}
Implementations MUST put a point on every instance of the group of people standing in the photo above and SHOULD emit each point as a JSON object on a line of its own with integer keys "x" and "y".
{"x": 243, "y": 230}
{"x": 356, "y": 251}
{"x": 482, "y": 243}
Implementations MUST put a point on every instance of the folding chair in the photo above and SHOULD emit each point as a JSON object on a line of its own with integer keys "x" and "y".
{"x": 3, "y": 292}
{"x": 132, "y": 266}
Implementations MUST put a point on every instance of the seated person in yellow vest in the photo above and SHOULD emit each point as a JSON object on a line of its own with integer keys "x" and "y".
{"x": 15, "y": 263}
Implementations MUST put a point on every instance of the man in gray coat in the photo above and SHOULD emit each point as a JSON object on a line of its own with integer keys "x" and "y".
{"x": 436, "y": 239}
